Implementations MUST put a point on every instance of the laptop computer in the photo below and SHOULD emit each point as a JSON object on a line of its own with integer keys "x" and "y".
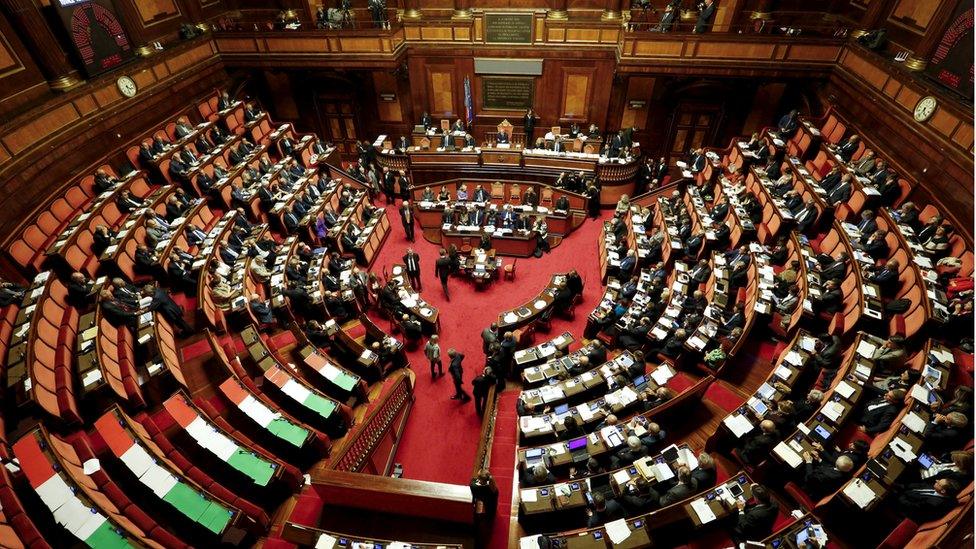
{"x": 600, "y": 484}
{"x": 577, "y": 449}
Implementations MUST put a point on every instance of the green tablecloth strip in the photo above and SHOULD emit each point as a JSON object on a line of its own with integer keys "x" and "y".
{"x": 323, "y": 406}
{"x": 105, "y": 537}
{"x": 288, "y": 431}
{"x": 253, "y": 466}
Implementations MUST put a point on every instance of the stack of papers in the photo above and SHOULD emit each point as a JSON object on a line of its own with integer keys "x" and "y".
{"x": 704, "y": 512}
{"x": 861, "y": 494}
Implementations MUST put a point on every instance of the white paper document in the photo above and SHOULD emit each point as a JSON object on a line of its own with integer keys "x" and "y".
{"x": 704, "y": 512}
{"x": 618, "y": 530}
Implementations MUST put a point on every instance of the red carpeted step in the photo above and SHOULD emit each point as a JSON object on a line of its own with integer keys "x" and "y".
{"x": 196, "y": 349}
{"x": 680, "y": 382}
{"x": 283, "y": 339}
{"x": 723, "y": 397}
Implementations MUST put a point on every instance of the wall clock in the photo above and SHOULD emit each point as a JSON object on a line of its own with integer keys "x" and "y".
{"x": 925, "y": 108}
{"x": 127, "y": 86}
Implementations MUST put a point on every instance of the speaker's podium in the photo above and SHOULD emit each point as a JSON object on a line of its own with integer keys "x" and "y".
{"x": 506, "y": 154}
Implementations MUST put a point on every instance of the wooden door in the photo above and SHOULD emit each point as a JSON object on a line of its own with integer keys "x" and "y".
{"x": 338, "y": 122}
{"x": 693, "y": 125}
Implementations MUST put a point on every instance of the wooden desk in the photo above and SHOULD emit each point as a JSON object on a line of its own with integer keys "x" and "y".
{"x": 533, "y": 309}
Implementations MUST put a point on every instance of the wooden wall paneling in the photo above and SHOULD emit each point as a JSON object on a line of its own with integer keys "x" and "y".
{"x": 385, "y": 83}
{"x": 765, "y": 107}
{"x": 45, "y": 149}
{"x": 21, "y": 80}
{"x": 639, "y": 88}
{"x": 441, "y": 83}
{"x": 915, "y": 15}
{"x": 577, "y": 89}
{"x": 151, "y": 20}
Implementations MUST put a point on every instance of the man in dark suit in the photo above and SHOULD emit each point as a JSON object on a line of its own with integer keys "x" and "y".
{"x": 685, "y": 488}
{"x": 867, "y": 225}
{"x": 757, "y": 447}
{"x": 875, "y": 245}
{"x": 528, "y": 122}
{"x": 480, "y": 386}
{"x": 834, "y": 269}
{"x": 412, "y": 262}
{"x": 442, "y": 269}
{"x": 885, "y": 276}
{"x": 164, "y": 304}
{"x": 407, "y": 218}
{"x": 616, "y": 143}
{"x": 805, "y": 217}
{"x": 701, "y": 272}
{"x": 841, "y": 193}
{"x": 848, "y": 147}
{"x": 946, "y": 432}
{"x": 705, "y": 14}
{"x": 457, "y": 373}
{"x": 755, "y": 520}
{"x": 821, "y": 479}
{"x": 603, "y": 511}
{"x": 667, "y": 19}
{"x": 880, "y": 412}
{"x": 80, "y": 290}
{"x": 261, "y": 310}
{"x": 115, "y": 312}
{"x": 830, "y": 301}
{"x": 922, "y": 503}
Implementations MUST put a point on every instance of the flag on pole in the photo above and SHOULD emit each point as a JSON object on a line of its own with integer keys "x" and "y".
{"x": 468, "y": 104}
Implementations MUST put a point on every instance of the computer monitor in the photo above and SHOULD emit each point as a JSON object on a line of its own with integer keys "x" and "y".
{"x": 562, "y": 409}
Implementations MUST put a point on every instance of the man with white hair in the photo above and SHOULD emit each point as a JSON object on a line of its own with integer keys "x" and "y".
{"x": 821, "y": 479}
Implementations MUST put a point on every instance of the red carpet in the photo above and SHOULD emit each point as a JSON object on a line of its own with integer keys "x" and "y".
{"x": 441, "y": 436}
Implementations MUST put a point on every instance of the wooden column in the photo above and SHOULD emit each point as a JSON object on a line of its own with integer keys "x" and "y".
{"x": 919, "y": 59}
{"x": 558, "y": 11}
{"x": 612, "y": 11}
{"x": 44, "y": 47}
{"x": 462, "y": 9}
{"x": 411, "y": 9}
{"x": 876, "y": 14}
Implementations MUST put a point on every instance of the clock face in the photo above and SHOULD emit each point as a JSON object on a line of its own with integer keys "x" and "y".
{"x": 925, "y": 108}
{"x": 127, "y": 86}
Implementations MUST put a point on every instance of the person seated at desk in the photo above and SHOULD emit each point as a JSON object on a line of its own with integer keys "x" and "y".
{"x": 443, "y": 195}
{"x": 593, "y": 132}
{"x": 458, "y": 127}
{"x": 603, "y": 511}
{"x": 427, "y": 195}
{"x": 880, "y": 412}
{"x": 946, "y": 432}
{"x": 846, "y": 149}
{"x": 104, "y": 182}
{"x": 823, "y": 478}
{"x": 480, "y": 194}
{"x": 462, "y": 193}
{"x": 938, "y": 244}
{"x": 160, "y": 145}
{"x": 924, "y": 502}
{"x": 501, "y": 137}
{"x": 907, "y": 214}
{"x": 958, "y": 468}
{"x": 530, "y": 198}
{"x": 754, "y": 521}
{"x": 685, "y": 487}
{"x": 469, "y": 141}
{"x": 754, "y": 449}
{"x": 507, "y": 218}
{"x": 426, "y": 121}
{"x": 562, "y": 204}
{"x": 539, "y": 475}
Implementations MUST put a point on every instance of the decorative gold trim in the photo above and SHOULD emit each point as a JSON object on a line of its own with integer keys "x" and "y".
{"x": 763, "y": 15}
{"x": 461, "y": 14}
{"x": 65, "y": 83}
{"x": 857, "y": 33}
{"x": 916, "y": 64}
{"x": 411, "y": 13}
{"x": 145, "y": 51}
{"x": 689, "y": 15}
{"x": 557, "y": 15}
{"x": 609, "y": 15}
